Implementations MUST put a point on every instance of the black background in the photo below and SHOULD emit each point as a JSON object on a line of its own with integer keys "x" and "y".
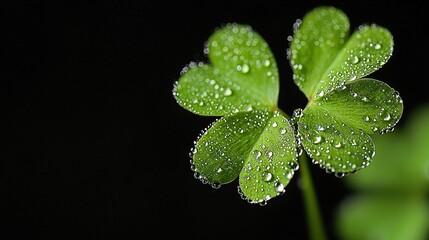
{"x": 93, "y": 144}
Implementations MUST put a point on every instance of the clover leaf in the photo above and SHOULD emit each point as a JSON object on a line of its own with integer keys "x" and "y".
{"x": 344, "y": 108}
{"x": 391, "y": 201}
{"x": 242, "y": 75}
{"x": 253, "y": 140}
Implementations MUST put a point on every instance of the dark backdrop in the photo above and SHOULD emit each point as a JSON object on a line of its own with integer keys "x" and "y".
{"x": 92, "y": 143}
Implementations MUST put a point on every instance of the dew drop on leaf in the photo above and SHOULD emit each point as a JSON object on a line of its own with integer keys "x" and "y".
{"x": 387, "y": 117}
{"x": 279, "y": 187}
{"x": 339, "y": 174}
{"x": 227, "y": 92}
{"x": 337, "y": 145}
{"x": 245, "y": 68}
{"x": 316, "y": 139}
{"x": 355, "y": 59}
{"x": 267, "y": 176}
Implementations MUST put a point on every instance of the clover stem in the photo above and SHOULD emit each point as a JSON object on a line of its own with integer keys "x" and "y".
{"x": 314, "y": 219}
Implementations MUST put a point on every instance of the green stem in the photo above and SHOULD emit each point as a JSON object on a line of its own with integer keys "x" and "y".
{"x": 314, "y": 219}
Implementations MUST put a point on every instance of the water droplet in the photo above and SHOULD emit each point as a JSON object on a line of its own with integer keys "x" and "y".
{"x": 377, "y": 46}
{"x": 267, "y": 176}
{"x": 320, "y": 128}
{"x": 215, "y": 185}
{"x": 201, "y": 104}
{"x": 283, "y": 131}
{"x": 353, "y": 78}
{"x": 338, "y": 145}
{"x": 219, "y": 170}
{"x": 387, "y": 117}
{"x": 270, "y": 154}
{"x": 366, "y": 118}
{"x": 294, "y": 165}
{"x": 365, "y": 99}
{"x": 228, "y": 92}
{"x": 263, "y": 203}
{"x": 274, "y": 124}
{"x": 267, "y": 63}
{"x": 321, "y": 93}
{"x": 245, "y": 68}
{"x": 355, "y": 59}
{"x": 339, "y": 174}
{"x": 316, "y": 139}
{"x": 297, "y": 113}
{"x": 257, "y": 154}
{"x": 374, "y": 128}
{"x": 279, "y": 187}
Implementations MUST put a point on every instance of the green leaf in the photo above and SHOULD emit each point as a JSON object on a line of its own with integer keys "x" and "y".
{"x": 243, "y": 76}
{"x": 366, "y": 104}
{"x": 334, "y": 128}
{"x": 325, "y": 59}
{"x": 367, "y": 50}
{"x": 272, "y": 162}
{"x": 333, "y": 145}
{"x": 315, "y": 45}
{"x": 402, "y": 160}
{"x": 257, "y": 145}
{"x": 383, "y": 218}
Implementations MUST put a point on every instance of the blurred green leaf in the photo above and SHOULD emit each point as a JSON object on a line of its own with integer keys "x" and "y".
{"x": 383, "y": 218}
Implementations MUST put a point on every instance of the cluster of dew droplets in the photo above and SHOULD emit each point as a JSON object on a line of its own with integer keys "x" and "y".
{"x": 387, "y": 117}
{"x": 297, "y": 114}
{"x": 384, "y": 119}
{"x": 292, "y": 52}
{"x": 245, "y": 53}
{"x": 243, "y": 197}
{"x": 272, "y": 165}
{"x": 369, "y": 55}
{"x": 316, "y": 139}
{"x": 211, "y": 93}
{"x": 194, "y": 169}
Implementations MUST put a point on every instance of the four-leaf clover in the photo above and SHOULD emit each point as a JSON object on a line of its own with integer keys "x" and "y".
{"x": 254, "y": 140}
